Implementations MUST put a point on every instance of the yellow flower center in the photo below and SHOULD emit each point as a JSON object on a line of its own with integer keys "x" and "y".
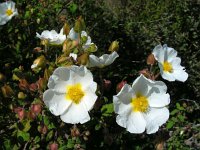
{"x": 9, "y": 12}
{"x": 75, "y": 93}
{"x": 140, "y": 103}
{"x": 167, "y": 67}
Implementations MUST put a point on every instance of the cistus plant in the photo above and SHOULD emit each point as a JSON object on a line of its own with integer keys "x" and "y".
{"x": 63, "y": 99}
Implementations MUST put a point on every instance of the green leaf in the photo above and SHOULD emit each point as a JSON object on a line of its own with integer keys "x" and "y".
{"x": 179, "y": 106}
{"x": 7, "y": 144}
{"x": 107, "y": 109}
{"x": 46, "y": 120}
{"x": 72, "y": 7}
{"x": 51, "y": 126}
{"x": 170, "y": 124}
{"x": 37, "y": 139}
{"x": 49, "y": 135}
{"x": 24, "y": 135}
{"x": 26, "y": 125}
{"x": 181, "y": 118}
{"x": 97, "y": 127}
{"x": 70, "y": 143}
{"x": 174, "y": 112}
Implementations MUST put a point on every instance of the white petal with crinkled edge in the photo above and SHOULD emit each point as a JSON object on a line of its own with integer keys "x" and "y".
{"x": 155, "y": 118}
{"x": 89, "y": 99}
{"x": 57, "y": 103}
{"x": 111, "y": 58}
{"x": 94, "y": 61}
{"x": 168, "y": 76}
{"x": 102, "y": 61}
{"x": 176, "y": 63}
{"x": 140, "y": 85}
{"x": 85, "y": 80}
{"x": 76, "y": 114}
{"x": 136, "y": 123}
{"x": 122, "y": 100}
{"x": 53, "y": 37}
{"x": 158, "y": 86}
{"x": 158, "y": 100}
{"x": 158, "y": 53}
{"x": 180, "y": 75}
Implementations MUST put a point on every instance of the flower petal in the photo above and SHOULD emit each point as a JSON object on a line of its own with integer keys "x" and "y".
{"x": 180, "y": 75}
{"x": 136, "y": 123}
{"x": 56, "y": 102}
{"x": 158, "y": 53}
{"x": 77, "y": 113}
{"x": 89, "y": 99}
{"x": 155, "y": 118}
{"x": 111, "y": 58}
{"x": 171, "y": 53}
{"x": 122, "y": 101}
{"x": 94, "y": 61}
{"x": 158, "y": 100}
{"x": 140, "y": 85}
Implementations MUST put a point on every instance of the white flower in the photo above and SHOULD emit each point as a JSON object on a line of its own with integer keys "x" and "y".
{"x": 142, "y": 106}
{"x": 71, "y": 94}
{"x": 169, "y": 63}
{"x": 87, "y": 39}
{"x": 102, "y": 61}
{"x": 52, "y": 36}
{"x": 7, "y": 11}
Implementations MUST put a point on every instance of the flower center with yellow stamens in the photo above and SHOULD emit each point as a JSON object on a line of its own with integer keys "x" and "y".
{"x": 75, "y": 93}
{"x": 140, "y": 103}
{"x": 167, "y": 67}
{"x": 9, "y": 12}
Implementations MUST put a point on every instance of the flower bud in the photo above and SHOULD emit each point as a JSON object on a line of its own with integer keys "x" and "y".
{"x": 87, "y": 133}
{"x": 21, "y": 95}
{"x": 84, "y": 39}
{"x": 23, "y": 84}
{"x": 53, "y": 146}
{"x": 66, "y": 28}
{"x": 79, "y": 25}
{"x": 43, "y": 129}
{"x": 36, "y": 108}
{"x": 2, "y": 78}
{"x": 46, "y": 74}
{"x": 41, "y": 84}
{"x": 7, "y": 91}
{"x": 106, "y": 84}
{"x": 67, "y": 46}
{"x": 33, "y": 87}
{"x": 85, "y": 138}
{"x": 151, "y": 59}
{"x": 38, "y": 20}
{"x": 20, "y": 112}
{"x": 120, "y": 85}
{"x": 37, "y": 49}
{"x": 114, "y": 46}
{"x": 83, "y": 59}
{"x": 39, "y": 62}
{"x": 75, "y": 132}
{"x": 92, "y": 48}
{"x": 31, "y": 115}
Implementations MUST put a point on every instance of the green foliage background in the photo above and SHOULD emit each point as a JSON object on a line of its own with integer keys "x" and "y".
{"x": 138, "y": 26}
